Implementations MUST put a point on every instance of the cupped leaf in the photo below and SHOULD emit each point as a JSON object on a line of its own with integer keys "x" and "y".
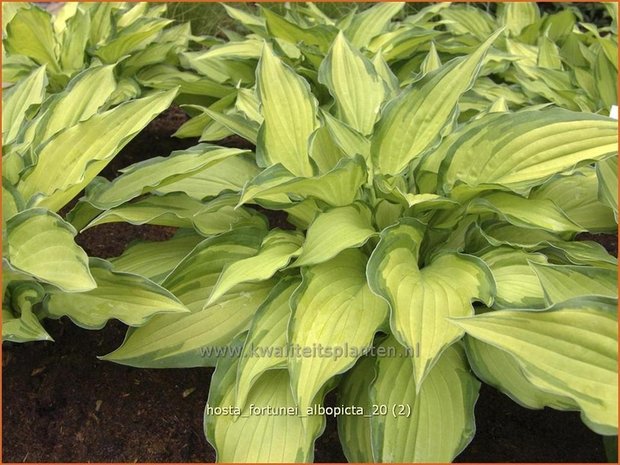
{"x": 290, "y": 115}
{"x": 563, "y": 282}
{"x": 138, "y": 257}
{"x": 422, "y": 298}
{"x": 355, "y": 85}
{"x": 338, "y": 187}
{"x": 270, "y": 408}
{"x": 277, "y": 249}
{"x": 41, "y": 244}
{"x": 412, "y": 122}
{"x": 517, "y": 285}
{"x": 127, "y": 297}
{"x": 607, "y": 174}
{"x": 335, "y": 311}
{"x": 502, "y": 371}
{"x": 75, "y": 156}
{"x": 201, "y": 337}
{"x": 22, "y": 324}
{"x": 431, "y": 423}
{"x": 334, "y": 231}
{"x": 18, "y": 99}
{"x": 570, "y": 350}
{"x": 266, "y": 345}
{"x": 148, "y": 175}
{"x": 175, "y": 209}
{"x": 518, "y": 151}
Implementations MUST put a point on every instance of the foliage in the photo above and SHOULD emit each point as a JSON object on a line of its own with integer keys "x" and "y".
{"x": 435, "y": 172}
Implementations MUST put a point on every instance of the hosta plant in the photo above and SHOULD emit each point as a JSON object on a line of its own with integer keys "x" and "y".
{"x": 423, "y": 253}
{"x": 53, "y": 146}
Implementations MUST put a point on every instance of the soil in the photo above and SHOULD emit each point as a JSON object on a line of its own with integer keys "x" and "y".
{"x": 62, "y": 404}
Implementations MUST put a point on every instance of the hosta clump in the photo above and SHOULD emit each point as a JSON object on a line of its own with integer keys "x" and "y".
{"x": 52, "y": 149}
{"x": 442, "y": 249}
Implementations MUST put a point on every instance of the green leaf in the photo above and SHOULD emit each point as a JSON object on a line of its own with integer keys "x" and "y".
{"x": 69, "y": 161}
{"x": 292, "y": 434}
{"x": 30, "y": 33}
{"x": 502, "y": 371}
{"x": 277, "y": 249}
{"x": 350, "y": 141}
{"x": 40, "y": 243}
{"x": 433, "y": 423}
{"x": 18, "y": 99}
{"x": 279, "y": 27}
{"x": 577, "y": 197}
{"x": 132, "y": 38}
{"x": 563, "y": 282}
{"x": 174, "y": 209}
{"x": 138, "y": 257}
{"x": 334, "y": 231}
{"x": 199, "y": 338}
{"x": 75, "y": 104}
{"x": 412, "y": 122}
{"x": 354, "y": 430}
{"x": 368, "y": 24}
{"x": 220, "y": 215}
{"x": 129, "y": 298}
{"x": 230, "y": 174}
{"x": 27, "y": 327}
{"x": 74, "y": 42}
{"x": 338, "y": 187}
{"x": 151, "y": 174}
{"x": 355, "y": 85}
{"x": 421, "y": 299}
{"x": 570, "y": 350}
{"x": 607, "y": 174}
{"x": 517, "y": 285}
{"x": 266, "y": 345}
{"x": 517, "y": 16}
{"x": 525, "y": 213}
{"x": 332, "y": 296}
{"x": 290, "y": 110}
{"x": 518, "y": 151}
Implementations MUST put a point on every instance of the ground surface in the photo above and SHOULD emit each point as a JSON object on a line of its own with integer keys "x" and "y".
{"x": 61, "y": 404}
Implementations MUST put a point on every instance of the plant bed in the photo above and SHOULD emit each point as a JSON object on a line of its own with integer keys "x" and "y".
{"x": 76, "y": 408}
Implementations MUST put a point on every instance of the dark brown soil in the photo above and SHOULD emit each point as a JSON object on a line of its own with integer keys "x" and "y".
{"x": 61, "y": 404}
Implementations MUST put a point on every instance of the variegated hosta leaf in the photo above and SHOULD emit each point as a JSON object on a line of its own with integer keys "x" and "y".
{"x": 18, "y": 99}
{"x": 338, "y": 187}
{"x": 30, "y": 33}
{"x": 138, "y": 257}
{"x": 421, "y": 299}
{"x": 431, "y": 423}
{"x": 199, "y": 338}
{"x": 582, "y": 253}
{"x": 148, "y": 175}
{"x": 75, "y": 104}
{"x": 241, "y": 436}
{"x": 334, "y": 231}
{"x": 607, "y": 174}
{"x": 129, "y": 298}
{"x": 350, "y": 141}
{"x": 570, "y": 351}
{"x": 290, "y": 115}
{"x": 563, "y": 282}
{"x": 413, "y": 121}
{"x": 525, "y": 213}
{"x": 266, "y": 345}
{"x": 355, "y": 85}
{"x": 175, "y": 209}
{"x": 277, "y": 249}
{"x": 220, "y": 215}
{"x": 334, "y": 309}
{"x": 517, "y": 285}
{"x": 577, "y": 197}
{"x": 518, "y": 151}
{"x": 40, "y": 243}
{"x": 71, "y": 159}
{"x": 502, "y": 371}
{"x": 26, "y": 327}
{"x": 354, "y": 430}
{"x": 368, "y": 24}
{"x": 517, "y": 16}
